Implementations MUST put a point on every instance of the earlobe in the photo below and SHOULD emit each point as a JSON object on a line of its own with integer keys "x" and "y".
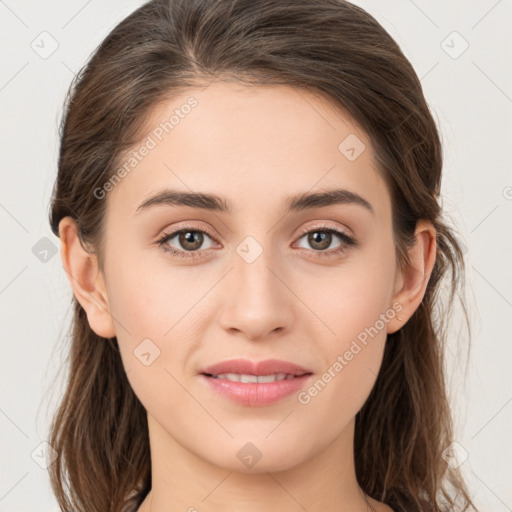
{"x": 413, "y": 280}
{"x": 86, "y": 279}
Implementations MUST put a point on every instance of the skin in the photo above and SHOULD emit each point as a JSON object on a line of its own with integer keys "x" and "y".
{"x": 255, "y": 146}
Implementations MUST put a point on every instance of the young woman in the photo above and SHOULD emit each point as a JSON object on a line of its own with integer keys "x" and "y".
{"x": 248, "y": 207}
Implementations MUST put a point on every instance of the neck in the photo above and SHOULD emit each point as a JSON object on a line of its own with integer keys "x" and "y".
{"x": 183, "y": 481}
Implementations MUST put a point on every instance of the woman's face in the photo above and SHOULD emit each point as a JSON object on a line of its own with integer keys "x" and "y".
{"x": 258, "y": 280}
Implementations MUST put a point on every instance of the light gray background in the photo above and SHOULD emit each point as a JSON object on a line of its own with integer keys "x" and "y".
{"x": 471, "y": 96}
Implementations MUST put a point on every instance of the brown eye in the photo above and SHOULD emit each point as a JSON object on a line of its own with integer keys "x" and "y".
{"x": 190, "y": 240}
{"x": 319, "y": 240}
{"x": 187, "y": 241}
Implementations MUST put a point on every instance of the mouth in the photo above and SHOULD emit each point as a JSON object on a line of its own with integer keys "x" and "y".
{"x": 246, "y": 378}
{"x": 255, "y": 383}
{"x": 237, "y": 369}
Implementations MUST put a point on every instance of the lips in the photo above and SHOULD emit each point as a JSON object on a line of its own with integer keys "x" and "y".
{"x": 255, "y": 383}
{"x": 258, "y": 368}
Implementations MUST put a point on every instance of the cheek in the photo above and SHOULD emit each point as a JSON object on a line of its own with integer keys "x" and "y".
{"x": 156, "y": 308}
{"x": 355, "y": 308}
{"x": 352, "y": 358}
{"x": 152, "y": 299}
{"x": 352, "y": 297}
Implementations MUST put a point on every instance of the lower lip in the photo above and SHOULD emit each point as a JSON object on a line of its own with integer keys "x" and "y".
{"x": 256, "y": 393}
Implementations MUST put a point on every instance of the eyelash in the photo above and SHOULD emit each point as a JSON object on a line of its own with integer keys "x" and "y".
{"x": 347, "y": 240}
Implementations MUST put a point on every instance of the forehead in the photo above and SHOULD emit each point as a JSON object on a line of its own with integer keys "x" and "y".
{"x": 249, "y": 144}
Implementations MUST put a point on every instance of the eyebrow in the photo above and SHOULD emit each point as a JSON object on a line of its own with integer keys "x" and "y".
{"x": 215, "y": 203}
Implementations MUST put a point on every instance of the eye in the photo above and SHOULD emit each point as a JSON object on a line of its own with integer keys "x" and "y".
{"x": 190, "y": 240}
{"x": 321, "y": 238}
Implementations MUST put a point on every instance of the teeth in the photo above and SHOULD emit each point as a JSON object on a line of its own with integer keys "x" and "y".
{"x": 244, "y": 378}
{"x": 247, "y": 378}
{"x": 270, "y": 378}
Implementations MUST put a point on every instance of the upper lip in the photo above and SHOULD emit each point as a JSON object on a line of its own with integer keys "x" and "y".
{"x": 247, "y": 367}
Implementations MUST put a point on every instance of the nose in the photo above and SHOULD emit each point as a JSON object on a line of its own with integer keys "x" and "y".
{"x": 257, "y": 300}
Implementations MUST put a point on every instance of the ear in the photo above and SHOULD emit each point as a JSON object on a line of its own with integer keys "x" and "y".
{"x": 86, "y": 279}
{"x": 411, "y": 283}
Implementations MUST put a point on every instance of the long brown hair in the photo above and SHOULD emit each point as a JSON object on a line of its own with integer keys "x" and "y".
{"x": 340, "y": 51}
